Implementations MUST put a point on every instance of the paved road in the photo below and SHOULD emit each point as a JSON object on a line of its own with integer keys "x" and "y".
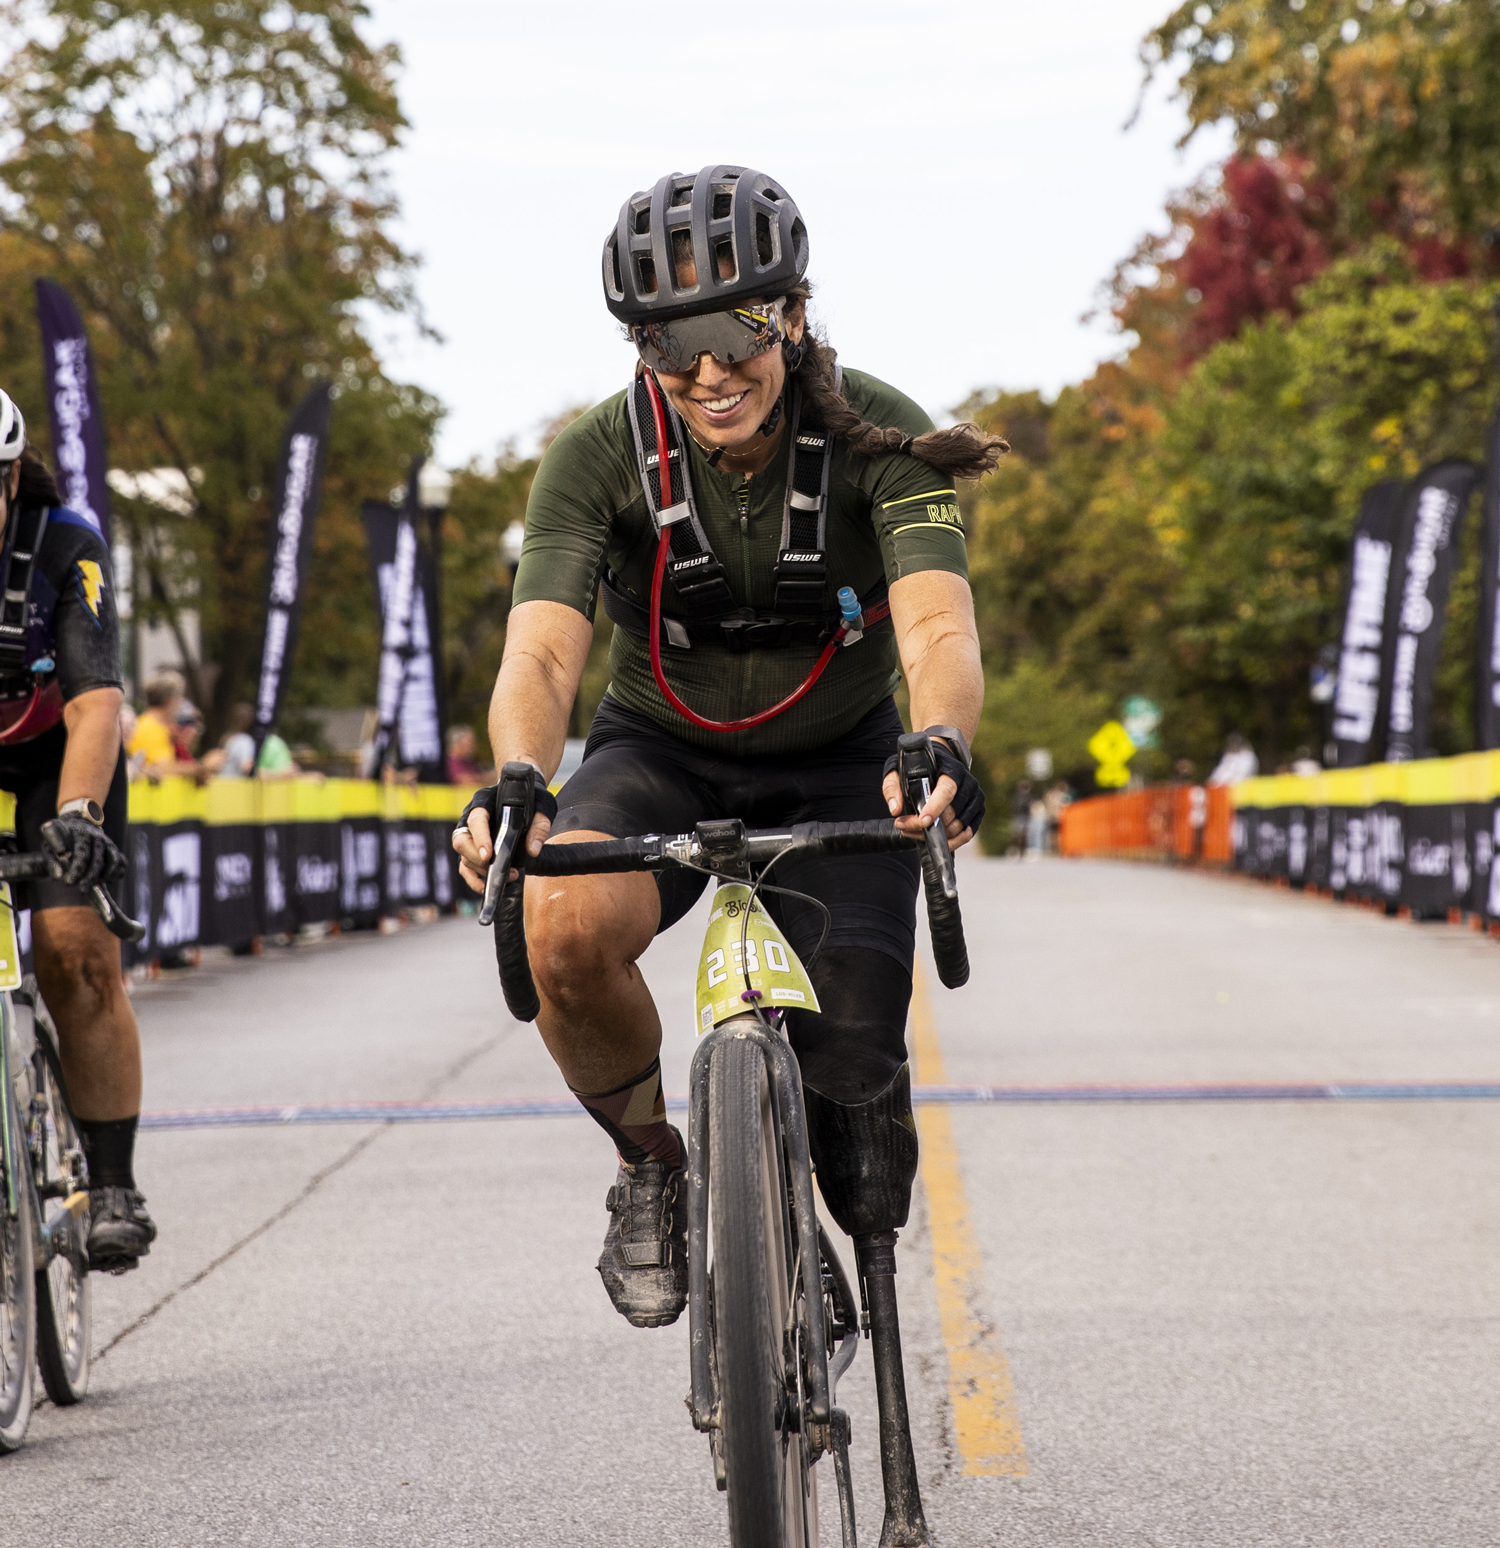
{"x": 1226, "y": 1323}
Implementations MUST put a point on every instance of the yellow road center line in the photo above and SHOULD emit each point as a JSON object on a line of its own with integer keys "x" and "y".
{"x": 986, "y": 1423}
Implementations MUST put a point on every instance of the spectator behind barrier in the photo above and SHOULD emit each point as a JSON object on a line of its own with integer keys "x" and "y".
{"x": 462, "y": 769}
{"x": 1239, "y": 762}
{"x": 235, "y": 757}
{"x": 153, "y": 741}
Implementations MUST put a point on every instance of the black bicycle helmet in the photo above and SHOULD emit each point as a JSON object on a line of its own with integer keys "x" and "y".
{"x": 723, "y": 214}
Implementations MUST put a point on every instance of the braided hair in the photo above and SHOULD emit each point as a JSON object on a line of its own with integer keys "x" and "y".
{"x": 38, "y": 487}
{"x": 962, "y": 450}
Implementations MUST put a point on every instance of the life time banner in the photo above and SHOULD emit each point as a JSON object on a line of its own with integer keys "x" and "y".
{"x": 407, "y": 704}
{"x": 225, "y": 862}
{"x": 1487, "y": 663}
{"x": 1416, "y": 610}
{"x": 73, "y": 406}
{"x": 1356, "y": 705}
{"x": 298, "y": 484}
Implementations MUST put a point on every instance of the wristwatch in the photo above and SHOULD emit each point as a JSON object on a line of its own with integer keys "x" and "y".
{"x": 85, "y": 806}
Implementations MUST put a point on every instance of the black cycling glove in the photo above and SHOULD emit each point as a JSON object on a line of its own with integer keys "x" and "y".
{"x": 968, "y": 799}
{"x": 487, "y": 799}
{"x": 82, "y": 853}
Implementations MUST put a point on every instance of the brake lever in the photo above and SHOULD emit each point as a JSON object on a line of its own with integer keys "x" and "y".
{"x": 115, "y": 919}
{"x": 918, "y": 771}
{"x": 505, "y": 847}
{"x": 516, "y": 803}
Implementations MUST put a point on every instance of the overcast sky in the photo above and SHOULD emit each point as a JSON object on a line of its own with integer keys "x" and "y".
{"x": 962, "y": 166}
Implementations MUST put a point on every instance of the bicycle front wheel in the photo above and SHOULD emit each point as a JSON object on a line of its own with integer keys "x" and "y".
{"x": 64, "y": 1311}
{"x": 772, "y": 1497}
{"x": 17, "y": 1302}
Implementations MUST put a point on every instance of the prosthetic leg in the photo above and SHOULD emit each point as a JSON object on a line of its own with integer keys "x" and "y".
{"x": 866, "y": 1159}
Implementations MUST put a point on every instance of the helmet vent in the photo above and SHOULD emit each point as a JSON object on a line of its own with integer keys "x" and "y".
{"x": 724, "y": 257}
{"x": 647, "y": 271}
{"x": 681, "y": 195}
{"x": 765, "y": 247}
{"x": 643, "y": 220}
{"x": 614, "y": 258}
{"x": 685, "y": 269}
{"x": 723, "y": 203}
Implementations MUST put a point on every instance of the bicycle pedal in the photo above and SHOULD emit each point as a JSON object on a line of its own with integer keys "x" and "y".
{"x": 77, "y": 1204}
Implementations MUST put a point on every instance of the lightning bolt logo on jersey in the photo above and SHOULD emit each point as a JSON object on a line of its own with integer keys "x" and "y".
{"x": 90, "y": 585}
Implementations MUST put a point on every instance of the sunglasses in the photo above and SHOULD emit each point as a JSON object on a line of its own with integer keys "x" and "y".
{"x": 740, "y": 333}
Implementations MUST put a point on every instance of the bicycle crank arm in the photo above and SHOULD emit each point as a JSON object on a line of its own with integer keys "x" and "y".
{"x": 64, "y": 1238}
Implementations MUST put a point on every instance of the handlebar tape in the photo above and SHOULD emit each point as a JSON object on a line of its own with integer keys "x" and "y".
{"x": 597, "y": 857}
{"x": 878, "y": 836}
{"x": 946, "y": 924}
{"x": 510, "y": 953}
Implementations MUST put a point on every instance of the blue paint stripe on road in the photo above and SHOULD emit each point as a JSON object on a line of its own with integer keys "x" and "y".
{"x": 562, "y": 1107}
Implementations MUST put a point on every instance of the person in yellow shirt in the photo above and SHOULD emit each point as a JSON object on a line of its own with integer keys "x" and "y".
{"x": 152, "y": 741}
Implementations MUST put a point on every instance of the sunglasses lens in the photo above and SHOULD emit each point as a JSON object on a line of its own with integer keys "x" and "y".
{"x": 739, "y": 334}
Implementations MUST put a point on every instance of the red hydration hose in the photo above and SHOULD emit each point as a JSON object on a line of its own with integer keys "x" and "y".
{"x": 13, "y": 730}
{"x": 662, "y": 550}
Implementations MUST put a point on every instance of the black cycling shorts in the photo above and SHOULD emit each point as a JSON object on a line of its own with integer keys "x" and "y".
{"x": 637, "y": 778}
{"x": 30, "y": 770}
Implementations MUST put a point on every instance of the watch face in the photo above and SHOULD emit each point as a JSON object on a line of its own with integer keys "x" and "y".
{"x": 87, "y": 808}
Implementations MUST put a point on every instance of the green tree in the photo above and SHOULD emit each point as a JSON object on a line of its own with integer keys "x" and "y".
{"x": 1397, "y": 104}
{"x": 1255, "y": 479}
{"x": 1063, "y": 579}
{"x": 205, "y": 178}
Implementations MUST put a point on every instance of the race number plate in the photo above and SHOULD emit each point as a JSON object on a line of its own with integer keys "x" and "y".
{"x": 10, "y": 944}
{"x": 771, "y": 965}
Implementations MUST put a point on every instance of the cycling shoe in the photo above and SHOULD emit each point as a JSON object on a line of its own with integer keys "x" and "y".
{"x": 644, "y": 1262}
{"x": 120, "y": 1230}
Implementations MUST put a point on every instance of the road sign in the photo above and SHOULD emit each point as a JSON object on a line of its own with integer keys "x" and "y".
{"x": 1141, "y": 717}
{"x": 1110, "y": 746}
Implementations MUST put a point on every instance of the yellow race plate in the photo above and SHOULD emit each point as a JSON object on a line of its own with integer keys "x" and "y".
{"x": 772, "y": 966}
{"x": 10, "y": 945}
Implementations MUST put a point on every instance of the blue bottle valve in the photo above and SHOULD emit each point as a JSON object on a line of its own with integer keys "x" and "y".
{"x": 853, "y": 614}
{"x": 43, "y": 664}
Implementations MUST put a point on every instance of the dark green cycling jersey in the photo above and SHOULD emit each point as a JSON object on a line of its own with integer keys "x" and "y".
{"x": 887, "y": 516}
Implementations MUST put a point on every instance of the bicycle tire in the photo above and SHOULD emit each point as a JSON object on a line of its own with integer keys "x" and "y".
{"x": 772, "y": 1496}
{"x": 17, "y": 1305}
{"x": 64, "y": 1305}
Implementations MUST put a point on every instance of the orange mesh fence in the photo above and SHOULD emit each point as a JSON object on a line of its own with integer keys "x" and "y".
{"x": 1181, "y": 822}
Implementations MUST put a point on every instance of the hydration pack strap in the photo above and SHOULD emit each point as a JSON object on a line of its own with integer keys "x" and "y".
{"x": 18, "y": 561}
{"x": 694, "y": 569}
{"x": 802, "y": 565}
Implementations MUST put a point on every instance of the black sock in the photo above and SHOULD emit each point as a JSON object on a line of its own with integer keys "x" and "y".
{"x": 109, "y": 1148}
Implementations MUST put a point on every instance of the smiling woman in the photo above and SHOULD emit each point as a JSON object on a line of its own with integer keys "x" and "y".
{"x": 733, "y": 251}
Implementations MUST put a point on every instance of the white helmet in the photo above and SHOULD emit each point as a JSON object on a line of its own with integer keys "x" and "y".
{"x": 12, "y": 431}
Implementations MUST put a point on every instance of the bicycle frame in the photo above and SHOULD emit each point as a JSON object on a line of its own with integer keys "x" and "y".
{"x": 827, "y": 1427}
{"x": 60, "y": 1238}
{"x": 786, "y": 1084}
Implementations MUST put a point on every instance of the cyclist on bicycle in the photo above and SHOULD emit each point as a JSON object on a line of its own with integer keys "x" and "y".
{"x": 61, "y": 688}
{"x": 707, "y": 273}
